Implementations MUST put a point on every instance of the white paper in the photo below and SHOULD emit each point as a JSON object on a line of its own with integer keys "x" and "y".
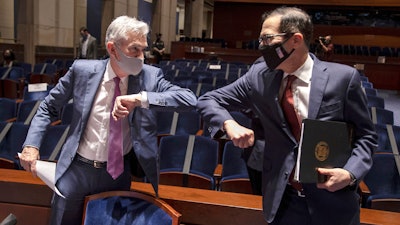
{"x": 46, "y": 171}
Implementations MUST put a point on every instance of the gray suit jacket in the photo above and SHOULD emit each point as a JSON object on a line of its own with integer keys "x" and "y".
{"x": 81, "y": 82}
{"x": 91, "y": 52}
{"x": 335, "y": 95}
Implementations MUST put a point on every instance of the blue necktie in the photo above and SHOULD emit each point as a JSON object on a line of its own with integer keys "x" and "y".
{"x": 115, "y": 163}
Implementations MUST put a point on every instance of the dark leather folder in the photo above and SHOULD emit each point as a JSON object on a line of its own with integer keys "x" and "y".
{"x": 325, "y": 144}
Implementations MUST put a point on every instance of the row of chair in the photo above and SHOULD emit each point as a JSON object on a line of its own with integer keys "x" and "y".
{"x": 380, "y": 188}
{"x": 363, "y": 50}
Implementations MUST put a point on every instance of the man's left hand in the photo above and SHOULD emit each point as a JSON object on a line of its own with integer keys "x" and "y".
{"x": 125, "y": 104}
{"x": 337, "y": 179}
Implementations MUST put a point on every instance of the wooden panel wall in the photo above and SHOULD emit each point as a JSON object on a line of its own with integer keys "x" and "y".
{"x": 240, "y": 22}
{"x": 326, "y": 2}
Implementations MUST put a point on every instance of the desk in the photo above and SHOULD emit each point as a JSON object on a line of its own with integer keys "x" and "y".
{"x": 29, "y": 199}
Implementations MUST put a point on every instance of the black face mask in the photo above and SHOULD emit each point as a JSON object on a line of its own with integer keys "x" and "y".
{"x": 274, "y": 54}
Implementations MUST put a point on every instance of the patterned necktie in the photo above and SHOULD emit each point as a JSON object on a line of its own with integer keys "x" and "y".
{"x": 288, "y": 108}
{"x": 115, "y": 163}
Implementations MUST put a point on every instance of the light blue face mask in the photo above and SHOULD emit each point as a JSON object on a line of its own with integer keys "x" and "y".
{"x": 131, "y": 65}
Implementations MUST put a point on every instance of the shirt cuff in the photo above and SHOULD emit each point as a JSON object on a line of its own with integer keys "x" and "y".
{"x": 145, "y": 100}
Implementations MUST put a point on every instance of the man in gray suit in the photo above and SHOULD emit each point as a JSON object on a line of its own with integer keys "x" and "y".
{"x": 82, "y": 168}
{"x": 87, "y": 45}
{"x": 320, "y": 90}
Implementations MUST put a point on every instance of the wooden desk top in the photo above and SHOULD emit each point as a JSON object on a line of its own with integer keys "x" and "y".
{"x": 197, "y": 206}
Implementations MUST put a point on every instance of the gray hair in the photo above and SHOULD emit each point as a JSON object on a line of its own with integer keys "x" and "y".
{"x": 121, "y": 26}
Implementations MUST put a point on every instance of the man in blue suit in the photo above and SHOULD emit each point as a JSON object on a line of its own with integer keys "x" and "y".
{"x": 91, "y": 84}
{"x": 321, "y": 90}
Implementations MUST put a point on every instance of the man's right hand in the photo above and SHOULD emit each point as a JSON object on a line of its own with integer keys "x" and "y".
{"x": 241, "y": 137}
{"x": 28, "y": 159}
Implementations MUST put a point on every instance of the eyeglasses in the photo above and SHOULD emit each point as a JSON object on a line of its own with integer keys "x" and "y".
{"x": 267, "y": 38}
{"x": 133, "y": 50}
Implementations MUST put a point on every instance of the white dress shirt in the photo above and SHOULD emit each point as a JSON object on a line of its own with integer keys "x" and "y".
{"x": 300, "y": 88}
{"x": 93, "y": 144}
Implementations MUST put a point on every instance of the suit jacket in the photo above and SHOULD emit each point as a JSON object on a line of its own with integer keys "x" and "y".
{"x": 80, "y": 84}
{"x": 91, "y": 52}
{"x": 336, "y": 95}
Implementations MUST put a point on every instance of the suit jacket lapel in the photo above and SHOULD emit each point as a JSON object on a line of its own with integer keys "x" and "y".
{"x": 134, "y": 87}
{"x": 319, "y": 80}
{"x": 93, "y": 81}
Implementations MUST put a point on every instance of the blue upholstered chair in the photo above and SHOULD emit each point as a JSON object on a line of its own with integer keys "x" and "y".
{"x": 234, "y": 177}
{"x": 370, "y": 91}
{"x": 383, "y": 180}
{"x": 383, "y": 139}
{"x": 26, "y": 111}
{"x": 188, "y": 161}
{"x": 8, "y": 109}
{"x": 36, "y": 95}
{"x": 128, "y": 208}
{"x": 381, "y": 116}
{"x": 200, "y": 88}
{"x": 13, "y": 141}
{"x": 173, "y": 123}
{"x": 13, "y": 73}
{"x": 375, "y": 101}
{"x": 45, "y": 68}
{"x": 52, "y": 142}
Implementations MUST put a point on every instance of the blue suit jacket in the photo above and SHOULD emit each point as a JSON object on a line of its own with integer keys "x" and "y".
{"x": 335, "y": 95}
{"x": 81, "y": 82}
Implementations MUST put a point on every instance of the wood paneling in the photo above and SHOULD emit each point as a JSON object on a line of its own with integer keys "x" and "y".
{"x": 197, "y": 206}
{"x": 327, "y": 2}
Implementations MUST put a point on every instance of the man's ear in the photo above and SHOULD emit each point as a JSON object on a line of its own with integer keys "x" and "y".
{"x": 298, "y": 38}
{"x": 111, "y": 49}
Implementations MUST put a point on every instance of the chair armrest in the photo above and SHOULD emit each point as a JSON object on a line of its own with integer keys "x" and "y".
{"x": 364, "y": 193}
{"x": 6, "y": 164}
{"x": 364, "y": 188}
{"x": 218, "y": 171}
{"x": 57, "y": 122}
{"x": 11, "y": 120}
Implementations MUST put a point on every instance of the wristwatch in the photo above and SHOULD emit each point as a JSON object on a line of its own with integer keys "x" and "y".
{"x": 353, "y": 180}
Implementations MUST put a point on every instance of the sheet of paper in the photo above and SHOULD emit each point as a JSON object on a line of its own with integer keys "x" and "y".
{"x": 46, "y": 171}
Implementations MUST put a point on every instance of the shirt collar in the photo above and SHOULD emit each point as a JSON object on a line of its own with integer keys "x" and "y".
{"x": 305, "y": 71}
{"x": 110, "y": 74}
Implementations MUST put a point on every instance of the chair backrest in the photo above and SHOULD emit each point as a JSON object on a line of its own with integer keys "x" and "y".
{"x": 370, "y": 91}
{"x": 381, "y": 116}
{"x": 234, "y": 177}
{"x": 41, "y": 78}
{"x": 128, "y": 208}
{"x": 13, "y": 73}
{"x": 8, "y": 109}
{"x": 375, "y": 101}
{"x": 36, "y": 95}
{"x": 184, "y": 81}
{"x": 13, "y": 141}
{"x": 46, "y": 68}
{"x": 53, "y": 140}
{"x": 10, "y": 89}
{"x": 233, "y": 165}
{"x": 200, "y": 88}
{"x": 383, "y": 178}
{"x": 189, "y": 154}
{"x": 26, "y": 111}
{"x": 383, "y": 139}
{"x": 173, "y": 123}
